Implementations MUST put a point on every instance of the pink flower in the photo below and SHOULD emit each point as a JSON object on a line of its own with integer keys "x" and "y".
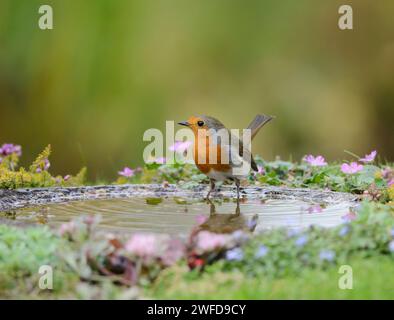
{"x": 143, "y": 245}
{"x": 260, "y": 170}
{"x": 180, "y": 146}
{"x": 90, "y": 220}
{"x": 127, "y": 172}
{"x": 208, "y": 241}
{"x": 318, "y": 161}
{"x": 67, "y": 177}
{"x": 315, "y": 209}
{"x": 369, "y": 157}
{"x": 351, "y": 168}
{"x": 160, "y": 160}
{"x": 390, "y": 183}
{"x": 175, "y": 251}
{"x": 200, "y": 219}
{"x": 350, "y": 216}
{"x": 387, "y": 172}
{"x": 67, "y": 228}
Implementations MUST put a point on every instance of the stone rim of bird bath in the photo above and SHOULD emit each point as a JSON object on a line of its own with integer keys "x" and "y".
{"x": 22, "y": 198}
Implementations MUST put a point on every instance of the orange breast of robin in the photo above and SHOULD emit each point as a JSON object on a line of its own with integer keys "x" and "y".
{"x": 202, "y": 161}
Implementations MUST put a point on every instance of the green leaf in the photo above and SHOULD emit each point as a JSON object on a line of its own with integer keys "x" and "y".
{"x": 153, "y": 201}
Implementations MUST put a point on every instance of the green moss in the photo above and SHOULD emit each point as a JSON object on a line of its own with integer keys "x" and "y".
{"x": 371, "y": 280}
{"x": 12, "y": 177}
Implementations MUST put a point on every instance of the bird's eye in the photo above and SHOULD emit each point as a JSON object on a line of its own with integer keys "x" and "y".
{"x": 200, "y": 123}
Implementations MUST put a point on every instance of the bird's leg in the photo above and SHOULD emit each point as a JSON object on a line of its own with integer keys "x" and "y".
{"x": 238, "y": 209}
{"x": 237, "y": 183}
{"x": 212, "y": 187}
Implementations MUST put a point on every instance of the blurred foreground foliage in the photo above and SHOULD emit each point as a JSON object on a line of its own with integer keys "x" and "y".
{"x": 91, "y": 264}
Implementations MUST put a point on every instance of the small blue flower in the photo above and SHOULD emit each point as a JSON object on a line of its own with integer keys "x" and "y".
{"x": 391, "y": 246}
{"x": 344, "y": 231}
{"x": 327, "y": 255}
{"x": 293, "y": 232}
{"x": 251, "y": 224}
{"x": 235, "y": 254}
{"x": 261, "y": 252}
{"x": 240, "y": 236}
{"x": 392, "y": 232}
{"x": 301, "y": 241}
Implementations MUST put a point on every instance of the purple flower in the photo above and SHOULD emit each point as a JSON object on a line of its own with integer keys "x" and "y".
{"x": 344, "y": 231}
{"x": 392, "y": 232}
{"x": 301, "y": 241}
{"x": 235, "y": 254}
{"x": 390, "y": 183}
{"x": 127, "y": 172}
{"x": 44, "y": 167}
{"x": 180, "y": 146}
{"x": 261, "y": 252}
{"x": 391, "y": 246}
{"x": 351, "y": 168}
{"x": 327, "y": 255}
{"x": 9, "y": 148}
{"x": 318, "y": 161}
{"x": 369, "y": 157}
{"x": 315, "y": 209}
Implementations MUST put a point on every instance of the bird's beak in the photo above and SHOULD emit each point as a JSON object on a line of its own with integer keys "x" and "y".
{"x": 184, "y": 123}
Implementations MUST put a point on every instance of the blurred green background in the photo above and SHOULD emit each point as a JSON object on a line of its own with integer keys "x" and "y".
{"x": 111, "y": 69}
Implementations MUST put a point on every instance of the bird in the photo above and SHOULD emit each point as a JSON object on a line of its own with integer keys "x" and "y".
{"x": 229, "y": 152}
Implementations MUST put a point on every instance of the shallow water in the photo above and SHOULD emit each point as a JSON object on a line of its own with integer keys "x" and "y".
{"x": 172, "y": 216}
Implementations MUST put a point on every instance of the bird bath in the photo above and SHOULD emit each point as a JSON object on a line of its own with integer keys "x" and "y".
{"x": 171, "y": 210}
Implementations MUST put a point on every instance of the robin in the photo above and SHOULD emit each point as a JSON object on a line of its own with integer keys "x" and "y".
{"x": 229, "y": 152}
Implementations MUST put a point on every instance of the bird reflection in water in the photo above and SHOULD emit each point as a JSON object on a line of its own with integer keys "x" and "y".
{"x": 228, "y": 222}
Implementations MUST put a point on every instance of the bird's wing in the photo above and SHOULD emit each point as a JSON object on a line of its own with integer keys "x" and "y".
{"x": 241, "y": 153}
{"x": 233, "y": 147}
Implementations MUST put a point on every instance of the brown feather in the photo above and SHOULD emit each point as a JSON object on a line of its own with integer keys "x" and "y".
{"x": 258, "y": 122}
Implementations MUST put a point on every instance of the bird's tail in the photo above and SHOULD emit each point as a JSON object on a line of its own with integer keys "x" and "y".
{"x": 258, "y": 122}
